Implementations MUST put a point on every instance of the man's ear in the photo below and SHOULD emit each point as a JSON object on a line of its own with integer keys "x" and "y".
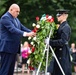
{"x": 11, "y": 9}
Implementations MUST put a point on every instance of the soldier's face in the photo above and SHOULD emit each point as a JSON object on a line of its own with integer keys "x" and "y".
{"x": 60, "y": 18}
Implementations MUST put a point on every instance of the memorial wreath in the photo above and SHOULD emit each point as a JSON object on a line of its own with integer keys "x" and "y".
{"x": 42, "y": 28}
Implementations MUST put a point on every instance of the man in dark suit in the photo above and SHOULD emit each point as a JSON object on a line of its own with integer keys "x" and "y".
{"x": 11, "y": 31}
{"x": 60, "y": 43}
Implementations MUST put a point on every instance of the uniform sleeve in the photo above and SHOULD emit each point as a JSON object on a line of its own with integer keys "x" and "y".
{"x": 65, "y": 35}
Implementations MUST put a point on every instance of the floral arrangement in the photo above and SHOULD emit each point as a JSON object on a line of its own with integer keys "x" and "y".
{"x": 37, "y": 45}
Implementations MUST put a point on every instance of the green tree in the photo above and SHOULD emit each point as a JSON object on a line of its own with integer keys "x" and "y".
{"x": 32, "y": 8}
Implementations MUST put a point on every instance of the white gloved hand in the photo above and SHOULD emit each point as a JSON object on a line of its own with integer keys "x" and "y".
{"x": 47, "y": 41}
{"x": 47, "y": 73}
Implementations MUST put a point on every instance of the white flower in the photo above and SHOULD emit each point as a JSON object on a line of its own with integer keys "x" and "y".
{"x": 28, "y": 61}
{"x": 34, "y": 38}
{"x": 49, "y": 17}
{"x": 43, "y": 18}
{"x": 38, "y": 42}
{"x": 32, "y": 43}
{"x": 37, "y": 26}
{"x": 33, "y": 24}
{"x": 29, "y": 38}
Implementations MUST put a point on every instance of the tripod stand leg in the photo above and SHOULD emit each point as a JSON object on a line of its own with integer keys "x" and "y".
{"x": 46, "y": 49}
{"x": 42, "y": 60}
{"x": 47, "y": 59}
{"x": 47, "y": 52}
{"x": 57, "y": 61}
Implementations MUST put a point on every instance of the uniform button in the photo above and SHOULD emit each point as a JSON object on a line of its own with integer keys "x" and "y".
{"x": 60, "y": 58}
{"x": 60, "y": 49}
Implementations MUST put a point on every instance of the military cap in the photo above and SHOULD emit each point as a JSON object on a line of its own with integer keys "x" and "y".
{"x": 61, "y": 11}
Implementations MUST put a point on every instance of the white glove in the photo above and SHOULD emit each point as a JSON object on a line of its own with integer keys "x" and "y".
{"x": 47, "y": 73}
{"x": 47, "y": 41}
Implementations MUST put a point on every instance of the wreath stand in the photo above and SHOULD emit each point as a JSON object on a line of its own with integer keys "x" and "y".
{"x": 47, "y": 50}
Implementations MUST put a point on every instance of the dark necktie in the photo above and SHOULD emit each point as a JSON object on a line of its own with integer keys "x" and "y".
{"x": 16, "y": 22}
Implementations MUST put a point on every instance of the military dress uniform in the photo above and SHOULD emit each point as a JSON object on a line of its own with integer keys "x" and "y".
{"x": 60, "y": 43}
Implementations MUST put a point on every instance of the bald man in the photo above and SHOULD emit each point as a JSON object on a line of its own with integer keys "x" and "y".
{"x": 11, "y": 31}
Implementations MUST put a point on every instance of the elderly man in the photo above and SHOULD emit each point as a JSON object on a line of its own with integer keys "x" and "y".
{"x": 60, "y": 43}
{"x": 11, "y": 31}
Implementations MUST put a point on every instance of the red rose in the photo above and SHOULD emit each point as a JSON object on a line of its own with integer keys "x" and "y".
{"x": 29, "y": 45}
{"x": 33, "y": 49}
{"x": 35, "y": 29}
{"x": 48, "y": 20}
{"x": 31, "y": 68}
{"x": 37, "y": 18}
{"x": 47, "y": 16}
{"x": 52, "y": 19}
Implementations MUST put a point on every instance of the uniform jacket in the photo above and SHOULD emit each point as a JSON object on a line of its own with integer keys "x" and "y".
{"x": 11, "y": 31}
{"x": 60, "y": 43}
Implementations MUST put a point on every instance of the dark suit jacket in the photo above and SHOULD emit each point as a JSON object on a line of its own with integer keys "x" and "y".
{"x": 10, "y": 33}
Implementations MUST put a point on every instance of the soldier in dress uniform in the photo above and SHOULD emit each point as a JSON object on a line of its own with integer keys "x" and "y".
{"x": 60, "y": 43}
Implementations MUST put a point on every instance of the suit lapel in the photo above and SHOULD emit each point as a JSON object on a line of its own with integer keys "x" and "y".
{"x": 16, "y": 23}
{"x": 14, "y": 20}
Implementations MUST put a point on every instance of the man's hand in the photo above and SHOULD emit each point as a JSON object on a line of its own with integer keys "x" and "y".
{"x": 31, "y": 34}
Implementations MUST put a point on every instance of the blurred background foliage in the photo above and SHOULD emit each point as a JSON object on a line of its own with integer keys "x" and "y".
{"x": 32, "y": 8}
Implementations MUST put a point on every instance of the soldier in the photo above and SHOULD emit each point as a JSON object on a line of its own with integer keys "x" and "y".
{"x": 61, "y": 45}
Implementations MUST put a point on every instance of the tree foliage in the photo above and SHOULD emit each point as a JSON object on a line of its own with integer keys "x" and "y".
{"x": 32, "y": 8}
